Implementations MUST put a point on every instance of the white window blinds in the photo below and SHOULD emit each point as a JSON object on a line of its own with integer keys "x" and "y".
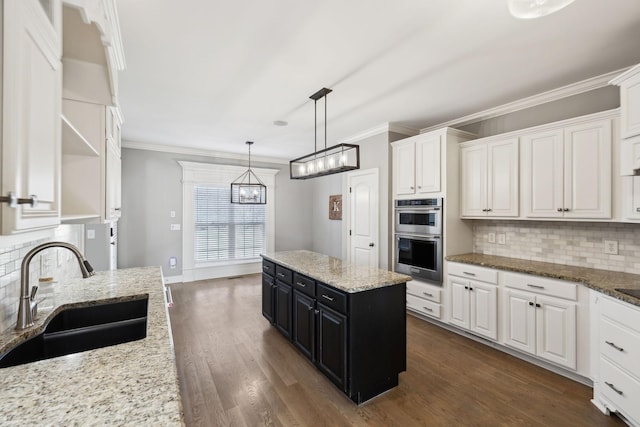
{"x": 226, "y": 231}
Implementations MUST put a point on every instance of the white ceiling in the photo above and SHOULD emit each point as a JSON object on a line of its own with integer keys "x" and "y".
{"x": 211, "y": 74}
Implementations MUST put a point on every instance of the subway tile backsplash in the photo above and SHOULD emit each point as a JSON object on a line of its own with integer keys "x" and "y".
{"x": 573, "y": 243}
{"x": 57, "y": 263}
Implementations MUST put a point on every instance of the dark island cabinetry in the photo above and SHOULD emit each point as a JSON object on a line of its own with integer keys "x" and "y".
{"x": 357, "y": 339}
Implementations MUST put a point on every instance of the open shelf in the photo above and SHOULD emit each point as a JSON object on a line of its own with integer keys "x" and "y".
{"x": 73, "y": 142}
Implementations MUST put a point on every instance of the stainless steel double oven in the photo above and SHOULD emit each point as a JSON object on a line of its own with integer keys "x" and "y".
{"x": 418, "y": 239}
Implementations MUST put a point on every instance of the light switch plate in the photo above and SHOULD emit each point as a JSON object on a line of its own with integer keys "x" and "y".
{"x": 91, "y": 234}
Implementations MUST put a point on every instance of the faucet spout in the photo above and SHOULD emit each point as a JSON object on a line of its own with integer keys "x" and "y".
{"x": 26, "y": 305}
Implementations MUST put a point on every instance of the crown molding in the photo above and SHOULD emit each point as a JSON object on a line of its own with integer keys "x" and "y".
{"x": 625, "y": 75}
{"x": 533, "y": 101}
{"x": 385, "y": 127}
{"x": 199, "y": 152}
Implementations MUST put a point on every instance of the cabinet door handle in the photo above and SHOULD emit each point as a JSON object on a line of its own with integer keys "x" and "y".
{"x": 614, "y": 346}
{"x": 637, "y": 209}
{"x": 489, "y": 210}
{"x": 612, "y": 387}
{"x": 531, "y": 303}
{"x": 470, "y": 288}
{"x": 538, "y": 305}
{"x": 565, "y": 210}
{"x": 559, "y": 209}
{"x": 535, "y": 286}
{"x": 468, "y": 274}
{"x": 466, "y": 287}
{"x": 302, "y": 285}
{"x": 411, "y": 188}
{"x": 430, "y": 310}
{"x": 327, "y": 297}
{"x": 428, "y": 294}
{"x": 14, "y": 201}
{"x": 280, "y": 275}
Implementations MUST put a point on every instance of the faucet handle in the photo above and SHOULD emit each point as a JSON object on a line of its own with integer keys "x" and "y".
{"x": 34, "y": 291}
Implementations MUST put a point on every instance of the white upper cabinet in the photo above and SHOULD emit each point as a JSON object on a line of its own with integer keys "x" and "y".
{"x": 629, "y": 83}
{"x": 566, "y": 171}
{"x": 489, "y": 174}
{"x": 428, "y": 164}
{"x": 31, "y": 88}
{"x": 416, "y": 165}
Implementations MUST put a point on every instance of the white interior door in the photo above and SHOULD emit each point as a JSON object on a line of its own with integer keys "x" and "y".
{"x": 363, "y": 218}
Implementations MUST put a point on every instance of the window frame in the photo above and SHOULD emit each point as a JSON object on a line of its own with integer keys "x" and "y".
{"x": 203, "y": 174}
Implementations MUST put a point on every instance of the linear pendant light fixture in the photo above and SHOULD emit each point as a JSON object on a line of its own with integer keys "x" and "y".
{"x": 336, "y": 159}
{"x": 246, "y": 192}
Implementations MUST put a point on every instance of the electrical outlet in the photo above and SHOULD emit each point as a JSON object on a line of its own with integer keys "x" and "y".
{"x": 172, "y": 214}
{"x": 502, "y": 239}
{"x": 175, "y": 227}
{"x": 91, "y": 234}
{"x": 611, "y": 247}
{"x": 491, "y": 237}
{"x": 173, "y": 261}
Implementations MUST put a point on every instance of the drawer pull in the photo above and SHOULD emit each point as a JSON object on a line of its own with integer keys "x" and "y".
{"x": 614, "y": 346}
{"x": 637, "y": 209}
{"x": 428, "y": 294}
{"x": 430, "y": 310}
{"x": 280, "y": 275}
{"x": 612, "y": 387}
{"x": 535, "y": 286}
{"x": 468, "y": 274}
{"x": 327, "y": 297}
{"x": 302, "y": 285}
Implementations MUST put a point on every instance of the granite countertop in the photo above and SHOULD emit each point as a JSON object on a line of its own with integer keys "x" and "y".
{"x": 335, "y": 272}
{"x": 600, "y": 280}
{"x": 133, "y": 383}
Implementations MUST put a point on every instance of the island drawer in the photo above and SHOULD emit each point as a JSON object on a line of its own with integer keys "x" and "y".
{"x": 268, "y": 267}
{"x": 284, "y": 274}
{"x": 331, "y": 298}
{"x": 304, "y": 284}
{"x": 621, "y": 345}
{"x": 621, "y": 312}
{"x": 620, "y": 388}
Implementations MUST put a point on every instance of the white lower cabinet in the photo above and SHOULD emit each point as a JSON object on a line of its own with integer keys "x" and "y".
{"x": 424, "y": 298}
{"x": 473, "y": 303}
{"x": 616, "y": 376}
{"x": 540, "y": 325}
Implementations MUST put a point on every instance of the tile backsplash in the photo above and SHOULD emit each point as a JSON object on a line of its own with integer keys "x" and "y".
{"x": 573, "y": 243}
{"x": 58, "y": 263}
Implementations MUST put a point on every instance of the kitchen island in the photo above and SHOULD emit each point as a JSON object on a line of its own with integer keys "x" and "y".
{"x": 349, "y": 320}
{"x": 134, "y": 383}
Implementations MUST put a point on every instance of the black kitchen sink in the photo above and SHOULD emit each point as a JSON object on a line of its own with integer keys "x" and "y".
{"x": 632, "y": 292}
{"x": 83, "y": 328}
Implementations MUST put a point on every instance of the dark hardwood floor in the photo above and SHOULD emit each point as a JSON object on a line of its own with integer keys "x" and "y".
{"x": 236, "y": 369}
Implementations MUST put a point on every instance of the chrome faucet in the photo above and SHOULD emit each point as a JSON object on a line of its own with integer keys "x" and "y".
{"x": 27, "y": 305}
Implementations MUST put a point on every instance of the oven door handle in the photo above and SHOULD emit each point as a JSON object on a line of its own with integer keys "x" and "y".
{"x": 423, "y": 237}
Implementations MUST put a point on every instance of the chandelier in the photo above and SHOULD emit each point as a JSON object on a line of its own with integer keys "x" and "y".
{"x": 247, "y": 192}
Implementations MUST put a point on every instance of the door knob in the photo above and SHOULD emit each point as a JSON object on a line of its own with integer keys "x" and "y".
{"x": 370, "y": 245}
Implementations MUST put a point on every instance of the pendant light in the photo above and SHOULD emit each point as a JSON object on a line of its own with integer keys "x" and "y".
{"x": 247, "y": 189}
{"x": 529, "y": 9}
{"x": 336, "y": 159}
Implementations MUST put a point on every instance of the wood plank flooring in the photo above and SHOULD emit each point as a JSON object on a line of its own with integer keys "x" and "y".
{"x": 235, "y": 369}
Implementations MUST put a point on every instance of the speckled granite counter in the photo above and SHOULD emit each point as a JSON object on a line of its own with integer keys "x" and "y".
{"x": 128, "y": 384}
{"x": 601, "y": 280}
{"x": 335, "y": 272}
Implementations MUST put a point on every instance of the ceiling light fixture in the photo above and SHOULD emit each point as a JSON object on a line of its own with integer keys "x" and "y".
{"x": 336, "y": 159}
{"x": 529, "y": 9}
{"x": 245, "y": 192}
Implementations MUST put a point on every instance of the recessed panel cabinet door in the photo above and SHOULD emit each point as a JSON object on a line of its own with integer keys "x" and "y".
{"x": 268, "y": 289}
{"x": 484, "y": 309}
{"x": 473, "y": 190}
{"x": 332, "y": 345}
{"x": 459, "y": 302}
{"x": 284, "y": 295}
{"x": 31, "y": 105}
{"x": 404, "y": 168}
{"x": 520, "y": 320}
{"x": 428, "y": 165}
{"x": 556, "y": 330}
{"x": 304, "y": 324}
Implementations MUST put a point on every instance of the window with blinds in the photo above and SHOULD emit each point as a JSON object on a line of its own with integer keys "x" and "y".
{"x": 226, "y": 231}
